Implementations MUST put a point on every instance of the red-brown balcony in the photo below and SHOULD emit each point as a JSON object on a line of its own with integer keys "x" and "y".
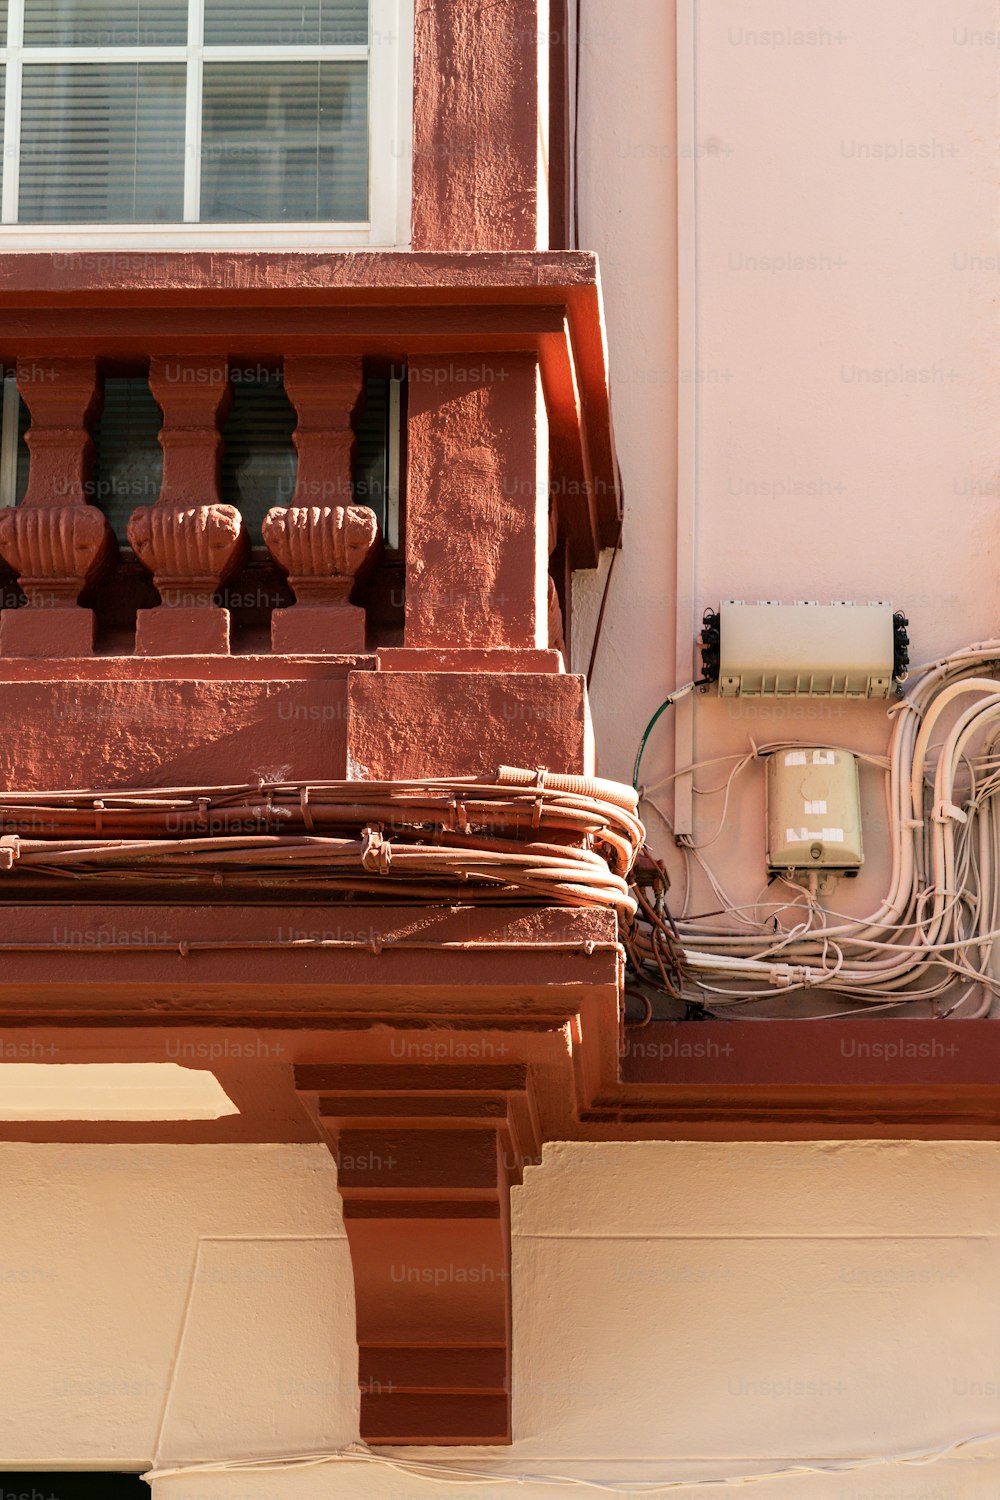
{"x": 332, "y": 486}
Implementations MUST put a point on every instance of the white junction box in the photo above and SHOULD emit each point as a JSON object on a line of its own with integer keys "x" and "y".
{"x": 806, "y": 650}
{"x": 813, "y": 811}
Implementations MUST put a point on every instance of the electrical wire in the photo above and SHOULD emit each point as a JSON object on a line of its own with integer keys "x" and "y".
{"x": 526, "y": 836}
{"x": 674, "y": 697}
{"x": 453, "y": 1473}
{"x": 931, "y": 939}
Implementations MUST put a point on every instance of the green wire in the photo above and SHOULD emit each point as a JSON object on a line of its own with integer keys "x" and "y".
{"x": 702, "y": 682}
{"x": 649, "y": 729}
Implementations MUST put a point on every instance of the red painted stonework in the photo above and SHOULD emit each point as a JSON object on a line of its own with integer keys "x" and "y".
{"x": 322, "y": 540}
{"x": 475, "y": 125}
{"x": 427, "y": 1155}
{"x": 377, "y": 304}
{"x": 55, "y": 540}
{"x": 462, "y": 659}
{"x": 476, "y": 537}
{"x": 404, "y": 724}
{"x": 188, "y": 540}
{"x": 322, "y": 548}
{"x": 157, "y": 731}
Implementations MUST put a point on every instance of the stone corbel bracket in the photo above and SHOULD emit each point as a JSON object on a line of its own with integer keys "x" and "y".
{"x": 427, "y": 1155}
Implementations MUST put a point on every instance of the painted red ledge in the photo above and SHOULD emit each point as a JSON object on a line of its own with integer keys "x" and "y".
{"x": 782, "y": 1053}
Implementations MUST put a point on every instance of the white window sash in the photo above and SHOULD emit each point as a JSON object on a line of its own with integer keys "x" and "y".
{"x": 389, "y": 56}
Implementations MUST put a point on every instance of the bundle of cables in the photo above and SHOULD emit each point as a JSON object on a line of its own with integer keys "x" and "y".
{"x": 527, "y": 837}
{"x": 932, "y": 937}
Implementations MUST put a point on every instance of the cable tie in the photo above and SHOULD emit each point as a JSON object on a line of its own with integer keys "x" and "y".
{"x": 947, "y": 812}
{"x": 10, "y": 849}
{"x": 305, "y": 809}
{"x": 913, "y": 823}
{"x": 183, "y": 948}
{"x": 99, "y": 818}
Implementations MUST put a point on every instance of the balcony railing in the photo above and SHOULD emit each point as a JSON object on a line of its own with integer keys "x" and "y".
{"x": 504, "y": 455}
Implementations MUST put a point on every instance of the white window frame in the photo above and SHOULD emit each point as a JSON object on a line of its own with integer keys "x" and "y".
{"x": 390, "y": 143}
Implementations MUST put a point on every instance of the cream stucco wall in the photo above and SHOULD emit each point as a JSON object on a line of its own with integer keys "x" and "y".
{"x": 180, "y": 1302}
{"x": 681, "y": 1311}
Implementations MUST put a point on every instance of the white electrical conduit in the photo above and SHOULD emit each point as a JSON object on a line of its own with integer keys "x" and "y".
{"x": 941, "y": 913}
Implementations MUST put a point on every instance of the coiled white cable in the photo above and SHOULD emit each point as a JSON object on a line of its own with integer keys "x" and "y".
{"x": 932, "y": 936}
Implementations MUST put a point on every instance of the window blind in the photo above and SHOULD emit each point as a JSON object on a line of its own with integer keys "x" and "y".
{"x": 105, "y": 23}
{"x": 128, "y": 466}
{"x": 372, "y": 453}
{"x": 102, "y": 142}
{"x": 286, "y": 23}
{"x": 284, "y": 142}
{"x": 259, "y": 462}
{"x": 23, "y": 456}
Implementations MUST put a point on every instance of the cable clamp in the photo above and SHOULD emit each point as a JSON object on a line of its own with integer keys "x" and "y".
{"x": 947, "y": 812}
{"x": 536, "y": 817}
{"x": 376, "y": 852}
{"x": 784, "y": 976}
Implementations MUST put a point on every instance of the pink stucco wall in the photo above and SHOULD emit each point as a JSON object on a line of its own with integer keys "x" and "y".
{"x": 835, "y": 363}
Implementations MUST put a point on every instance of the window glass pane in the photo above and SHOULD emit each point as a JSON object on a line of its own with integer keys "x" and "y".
{"x": 285, "y": 142}
{"x": 286, "y": 23}
{"x": 259, "y": 463}
{"x": 102, "y": 141}
{"x": 371, "y": 460}
{"x": 128, "y": 467}
{"x": 23, "y": 455}
{"x": 3, "y": 23}
{"x": 105, "y": 23}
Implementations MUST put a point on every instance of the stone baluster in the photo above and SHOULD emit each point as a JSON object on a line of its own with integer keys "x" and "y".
{"x": 189, "y": 540}
{"x": 55, "y": 539}
{"x": 322, "y": 540}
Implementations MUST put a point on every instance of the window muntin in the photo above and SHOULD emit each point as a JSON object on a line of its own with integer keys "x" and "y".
{"x": 160, "y": 122}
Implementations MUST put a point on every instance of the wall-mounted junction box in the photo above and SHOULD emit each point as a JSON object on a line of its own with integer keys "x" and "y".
{"x": 804, "y": 650}
{"x": 813, "y": 811}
